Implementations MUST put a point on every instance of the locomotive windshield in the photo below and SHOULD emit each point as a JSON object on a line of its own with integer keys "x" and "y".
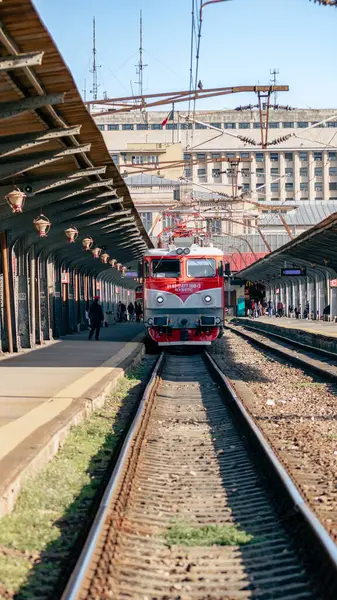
{"x": 201, "y": 267}
{"x": 166, "y": 268}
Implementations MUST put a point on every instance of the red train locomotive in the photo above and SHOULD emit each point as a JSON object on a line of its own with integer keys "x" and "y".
{"x": 183, "y": 294}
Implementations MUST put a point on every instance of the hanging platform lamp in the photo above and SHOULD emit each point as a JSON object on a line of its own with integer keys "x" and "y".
{"x": 42, "y": 225}
{"x": 71, "y": 234}
{"x": 16, "y": 200}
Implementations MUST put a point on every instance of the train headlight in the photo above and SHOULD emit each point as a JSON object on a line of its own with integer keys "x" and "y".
{"x": 207, "y": 298}
{"x": 180, "y": 251}
{"x": 218, "y": 320}
{"x": 150, "y": 321}
{"x": 160, "y": 299}
{"x": 187, "y": 251}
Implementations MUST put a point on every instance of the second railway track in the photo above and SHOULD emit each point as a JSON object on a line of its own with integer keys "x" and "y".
{"x": 187, "y": 477}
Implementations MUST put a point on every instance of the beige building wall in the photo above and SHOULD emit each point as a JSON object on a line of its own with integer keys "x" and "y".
{"x": 301, "y": 168}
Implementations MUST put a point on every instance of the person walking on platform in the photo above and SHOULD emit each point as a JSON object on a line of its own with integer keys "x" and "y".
{"x": 131, "y": 311}
{"x": 123, "y": 312}
{"x": 96, "y": 318}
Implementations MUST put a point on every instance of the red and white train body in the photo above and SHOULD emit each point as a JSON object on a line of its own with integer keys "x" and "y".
{"x": 183, "y": 295}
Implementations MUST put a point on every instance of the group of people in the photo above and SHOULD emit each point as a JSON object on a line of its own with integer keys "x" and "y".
{"x": 95, "y": 315}
{"x": 132, "y": 312}
{"x": 257, "y": 309}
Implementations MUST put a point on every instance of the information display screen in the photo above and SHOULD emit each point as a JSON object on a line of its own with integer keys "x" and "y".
{"x": 293, "y": 272}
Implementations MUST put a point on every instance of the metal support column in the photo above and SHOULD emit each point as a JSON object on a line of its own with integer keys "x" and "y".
{"x": 5, "y": 270}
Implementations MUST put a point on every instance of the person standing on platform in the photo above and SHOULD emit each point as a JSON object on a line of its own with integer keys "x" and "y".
{"x": 138, "y": 310}
{"x": 96, "y": 318}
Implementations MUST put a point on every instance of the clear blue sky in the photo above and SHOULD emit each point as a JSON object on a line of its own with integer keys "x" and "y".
{"x": 241, "y": 41}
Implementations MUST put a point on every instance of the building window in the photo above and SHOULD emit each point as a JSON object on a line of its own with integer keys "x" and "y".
{"x": 318, "y": 171}
{"x": 200, "y": 126}
{"x": 187, "y": 156}
{"x": 244, "y": 125}
{"x": 259, "y": 172}
{"x": 331, "y": 124}
{"x": 333, "y": 171}
{"x": 137, "y": 160}
{"x": 244, "y": 154}
{"x": 113, "y": 127}
{"x": 201, "y": 156}
{"x": 288, "y": 124}
{"x": 303, "y": 156}
{"x": 274, "y": 171}
{"x": 114, "y": 158}
{"x": 332, "y": 155}
{"x": 274, "y": 125}
{"x": 261, "y": 199}
{"x": 213, "y": 226}
{"x": 259, "y": 156}
{"x": 146, "y": 218}
{"x": 230, "y": 155}
{"x": 217, "y": 125}
{"x": 257, "y": 125}
{"x": 202, "y": 174}
{"x": 101, "y": 127}
{"x": 274, "y": 156}
{"x": 216, "y": 155}
{"x": 303, "y": 172}
{"x": 156, "y": 126}
{"x": 304, "y": 198}
{"x": 172, "y": 126}
{"x": 289, "y": 172}
{"x": 288, "y": 156}
{"x": 246, "y": 187}
{"x": 229, "y": 125}
{"x": 215, "y": 173}
{"x": 245, "y": 172}
{"x": 274, "y": 187}
{"x": 127, "y": 126}
{"x": 318, "y": 156}
{"x": 302, "y": 124}
{"x": 153, "y": 158}
{"x": 188, "y": 173}
{"x": 332, "y": 186}
{"x": 142, "y": 126}
{"x": 289, "y": 187}
{"x": 303, "y": 187}
{"x": 318, "y": 187}
{"x": 185, "y": 125}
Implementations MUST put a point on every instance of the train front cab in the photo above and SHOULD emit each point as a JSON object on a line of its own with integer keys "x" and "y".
{"x": 183, "y": 298}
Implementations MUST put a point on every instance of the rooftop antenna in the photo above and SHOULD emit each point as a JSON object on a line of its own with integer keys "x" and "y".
{"x": 95, "y": 66}
{"x": 140, "y": 67}
{"x": 274, "y": 82}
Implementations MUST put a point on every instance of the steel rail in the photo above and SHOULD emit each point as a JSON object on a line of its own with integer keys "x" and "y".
{"x": 284, "y": 338}
{"x": 299, "y": 502}
{"x": 75, "y": 582}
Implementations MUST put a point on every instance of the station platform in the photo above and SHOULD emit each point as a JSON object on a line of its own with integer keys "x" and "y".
{"x": 319, "y": 334}
{"x": 47, "y": 390}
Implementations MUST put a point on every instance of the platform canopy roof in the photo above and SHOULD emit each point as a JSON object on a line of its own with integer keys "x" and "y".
{"x": 51, "y": 149}
{"x": 315, "y": 249}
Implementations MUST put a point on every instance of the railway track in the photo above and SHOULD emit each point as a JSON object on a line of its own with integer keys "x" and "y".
{"x": 195, "y": 470}
{"x": 319, "y": 360}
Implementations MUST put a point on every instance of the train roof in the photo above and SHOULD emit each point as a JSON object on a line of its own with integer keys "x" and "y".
{"x": 194, "y": 249}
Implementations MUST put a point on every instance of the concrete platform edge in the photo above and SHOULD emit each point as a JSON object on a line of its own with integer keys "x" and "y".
{"x": 46, "y": 441}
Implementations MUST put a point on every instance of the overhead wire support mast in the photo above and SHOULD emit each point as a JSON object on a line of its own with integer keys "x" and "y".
{"x": 141, "y": 66}
{"x": 95, "y": 67}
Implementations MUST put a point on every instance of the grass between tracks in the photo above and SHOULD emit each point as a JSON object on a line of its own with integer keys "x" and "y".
{"x": 38, "y": 538}
{"x": 208, "y": 535}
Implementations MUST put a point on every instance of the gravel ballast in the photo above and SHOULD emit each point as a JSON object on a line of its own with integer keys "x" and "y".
{"x": 297, "y": 413}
